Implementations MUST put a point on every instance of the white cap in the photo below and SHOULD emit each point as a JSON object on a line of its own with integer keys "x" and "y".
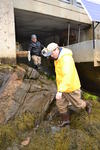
{"x": 48, "y": 51}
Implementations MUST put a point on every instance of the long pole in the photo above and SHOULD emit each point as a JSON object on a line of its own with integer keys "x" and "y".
{"x": 79, "y": 34}
{"x": 68, "y": 33}
{"x": 93, "y": 35}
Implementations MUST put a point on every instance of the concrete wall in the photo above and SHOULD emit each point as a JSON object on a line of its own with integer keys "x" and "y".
{"x": 54, "y": 8}
{"x": 83, "y": 51}
{"x": 7, "y": 32}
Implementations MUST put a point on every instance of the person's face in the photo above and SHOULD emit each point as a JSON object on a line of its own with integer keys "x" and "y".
{"x": 55, "y": 54}
{"x": 34, "y": 40}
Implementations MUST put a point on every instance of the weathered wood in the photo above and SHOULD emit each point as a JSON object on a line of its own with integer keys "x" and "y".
{"x": 21, "y": 53}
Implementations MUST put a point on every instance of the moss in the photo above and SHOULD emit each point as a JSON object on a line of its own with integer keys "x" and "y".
{"x": 62, "y": 140}
{"x": 14, "y": 129}
{"x": 41, "y": 140}
{"x": 75, "y": 140}
{"x": 88, "y": 96}
{"x": 24, "y": 122}
{"x": 7, "y": 135}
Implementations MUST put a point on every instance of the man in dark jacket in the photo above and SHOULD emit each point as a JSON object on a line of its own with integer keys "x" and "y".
{"x": 34, "y": 51}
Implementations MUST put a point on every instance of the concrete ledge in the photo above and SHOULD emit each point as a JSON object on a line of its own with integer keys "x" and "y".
{"x": 54, "y": 8}
{"x": 11, "y": 61}
{"x": 83, "y": 51}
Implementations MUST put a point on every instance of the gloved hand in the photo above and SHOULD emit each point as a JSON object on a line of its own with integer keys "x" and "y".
{"x": 29, "y": 56}
{"x": 44, "y": 51}
{"x": 58, "y": 95}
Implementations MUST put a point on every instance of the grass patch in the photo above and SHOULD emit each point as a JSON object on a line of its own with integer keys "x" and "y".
{"x": 14, "y": 129}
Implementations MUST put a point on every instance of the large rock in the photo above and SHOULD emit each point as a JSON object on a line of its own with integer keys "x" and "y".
{"x": 31, "y": 94}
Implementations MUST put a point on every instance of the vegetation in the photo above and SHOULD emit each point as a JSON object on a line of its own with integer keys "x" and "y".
{"x": 84, "y": 133}
{"x": 88, "y": 96}
{"x": 14, "y": 129}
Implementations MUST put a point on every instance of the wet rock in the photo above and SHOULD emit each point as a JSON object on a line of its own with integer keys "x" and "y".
{"x": 32, "y": 73}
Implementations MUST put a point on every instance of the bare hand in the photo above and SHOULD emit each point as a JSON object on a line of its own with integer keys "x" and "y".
{"x": 59, "y": 95}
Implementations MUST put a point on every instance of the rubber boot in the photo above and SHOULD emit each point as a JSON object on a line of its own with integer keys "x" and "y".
{"x": 65, "y": 119}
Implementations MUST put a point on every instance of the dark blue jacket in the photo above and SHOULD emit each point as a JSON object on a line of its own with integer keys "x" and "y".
{"x": 35, "y": 48}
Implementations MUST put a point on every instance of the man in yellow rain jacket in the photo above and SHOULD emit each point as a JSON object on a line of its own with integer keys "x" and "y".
{"x": 67, "y": 79}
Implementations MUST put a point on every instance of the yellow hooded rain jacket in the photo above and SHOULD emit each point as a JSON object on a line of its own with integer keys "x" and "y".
{"x": 67, "y": 78}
